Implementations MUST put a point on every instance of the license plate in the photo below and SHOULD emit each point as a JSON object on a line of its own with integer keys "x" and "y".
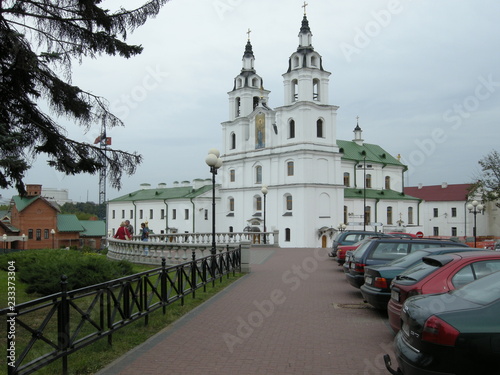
{"x": 395, "y": 295}
{"x": 368, "y": 279}
{"x": 353, "y": 265}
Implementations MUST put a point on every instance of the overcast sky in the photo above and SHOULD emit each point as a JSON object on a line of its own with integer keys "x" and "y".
{"x": 423, "y": 76}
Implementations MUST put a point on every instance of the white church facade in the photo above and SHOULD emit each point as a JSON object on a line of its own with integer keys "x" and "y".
{"x": 314, "y": 181}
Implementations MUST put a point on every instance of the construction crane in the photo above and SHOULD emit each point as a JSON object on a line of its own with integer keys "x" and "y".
{"x": 103, "y": 142}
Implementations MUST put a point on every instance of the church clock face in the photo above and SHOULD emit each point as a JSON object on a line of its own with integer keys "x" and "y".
{"x": 260, "y": 131}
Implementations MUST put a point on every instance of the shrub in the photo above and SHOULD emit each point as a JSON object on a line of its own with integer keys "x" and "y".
{"x": 42, "y": 269}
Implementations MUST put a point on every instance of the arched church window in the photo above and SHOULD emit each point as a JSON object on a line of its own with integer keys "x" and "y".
{"x": 291, "y": 129}
{"x": 288, "y": 235}
{"x": 319, "y": 128}
{"x": 410, "y": 215}
{"x": 296, "y": 62}
{"x": 233, "y": 141}
{"x": 314, "y": 61}
{"x": 258, "y": 174}
{"x": 289, "y": 168}
{"x": 347, "y": 179}
{"x": 288, "y": 202}
{"x": 258, "y": 203}
{"x": 388, "y": 182}
{"x": 231, "y": 204}
{"x": 389, "y": 215}
{"x": 368, "y": 182}
{"x": 255, "y": 82}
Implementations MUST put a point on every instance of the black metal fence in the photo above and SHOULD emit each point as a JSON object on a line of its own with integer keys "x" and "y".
{"x": 44, "y": 330}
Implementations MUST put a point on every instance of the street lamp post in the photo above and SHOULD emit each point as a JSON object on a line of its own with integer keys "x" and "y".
{"x": 475, "y": 208}
{"x": 4, "y": 237}
{"x": 24, "y": 241}
{"x": 53, "y": 232}
{"x": 214, "y": 162}
{"x": 364, "y": 188}
{"x": 264, "y": 192}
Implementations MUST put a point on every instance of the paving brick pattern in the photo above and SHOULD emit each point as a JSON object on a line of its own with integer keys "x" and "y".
{"x": 293, "y": 314}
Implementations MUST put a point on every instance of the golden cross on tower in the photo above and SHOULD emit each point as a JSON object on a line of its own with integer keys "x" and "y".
{"x": 357, "y": 119}
{"x": 248, "y": 33}
{"x": 304, "y": 6}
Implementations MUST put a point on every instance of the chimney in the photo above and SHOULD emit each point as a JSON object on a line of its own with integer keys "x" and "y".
{"x": 145, "y": 186}
{"x": 420, "y": 186}
{"x": 444, "y": 185}
{"x": 33, "y": 190}
{"x": 162, "y": 185}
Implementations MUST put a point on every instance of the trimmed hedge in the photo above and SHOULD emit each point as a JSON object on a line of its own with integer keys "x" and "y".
{"x": 42, "y": 269}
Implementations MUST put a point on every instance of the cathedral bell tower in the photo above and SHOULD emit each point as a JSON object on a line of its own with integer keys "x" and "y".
{"x": 305, "y": 80}
{"x": 248, "y": 89}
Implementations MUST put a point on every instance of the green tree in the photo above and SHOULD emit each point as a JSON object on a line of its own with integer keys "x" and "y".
{"x": 38, "y": 37}
{"x": 489, "y": 182}
{"x": 84, "y": 210}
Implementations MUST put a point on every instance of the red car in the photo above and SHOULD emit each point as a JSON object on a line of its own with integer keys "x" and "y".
{"x": 342, "y": 250}
{"x": 439, "y": 274}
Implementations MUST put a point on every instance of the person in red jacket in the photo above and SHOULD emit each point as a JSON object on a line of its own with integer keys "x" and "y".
{"x": 122, "y": 233}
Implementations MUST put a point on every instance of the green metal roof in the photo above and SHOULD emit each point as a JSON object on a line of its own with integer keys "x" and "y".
{"x": 69, "y": 223}
{"x": 93, "y": 228}
{"x": 377, "y": 194}
{"x": 185, "y": 192}
{"x": 4, "y": 215}
{"x": 374, "y": 153}
{"x": 9, "y": 227}
{"x": 22, "y": 202}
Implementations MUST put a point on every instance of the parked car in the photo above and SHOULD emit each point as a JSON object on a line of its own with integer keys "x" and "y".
{"x": 402, "y": 234}
{"x": 385, "y": 250}
{"x": 439, "y": 274}
{"x": 342, "y": 250}
{"x": 453, "y": 333}
{"x": 376, "y": 289}
{"x": 349, "y": 237}
{"x": 494, "y": 245}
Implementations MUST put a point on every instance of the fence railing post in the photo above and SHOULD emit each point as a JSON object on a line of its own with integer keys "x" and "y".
{"x": 63, "y": 335}
{"x": 193, "y": 272}
{"x": 163, "y": 281}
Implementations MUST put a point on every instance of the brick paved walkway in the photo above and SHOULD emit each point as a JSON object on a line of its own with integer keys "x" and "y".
{"x": 293, "y": 314}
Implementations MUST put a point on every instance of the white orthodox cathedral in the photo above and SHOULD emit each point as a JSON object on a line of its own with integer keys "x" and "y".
{"x": 315, "y": 182}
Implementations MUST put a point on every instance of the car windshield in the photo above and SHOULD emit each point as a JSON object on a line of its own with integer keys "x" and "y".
{"x": 482, "y": 291}
{"x": 409, "y": 259}
{"x": 417, "y": 272}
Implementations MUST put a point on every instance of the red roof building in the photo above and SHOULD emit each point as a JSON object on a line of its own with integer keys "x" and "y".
{"x": 441, "y": 193}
